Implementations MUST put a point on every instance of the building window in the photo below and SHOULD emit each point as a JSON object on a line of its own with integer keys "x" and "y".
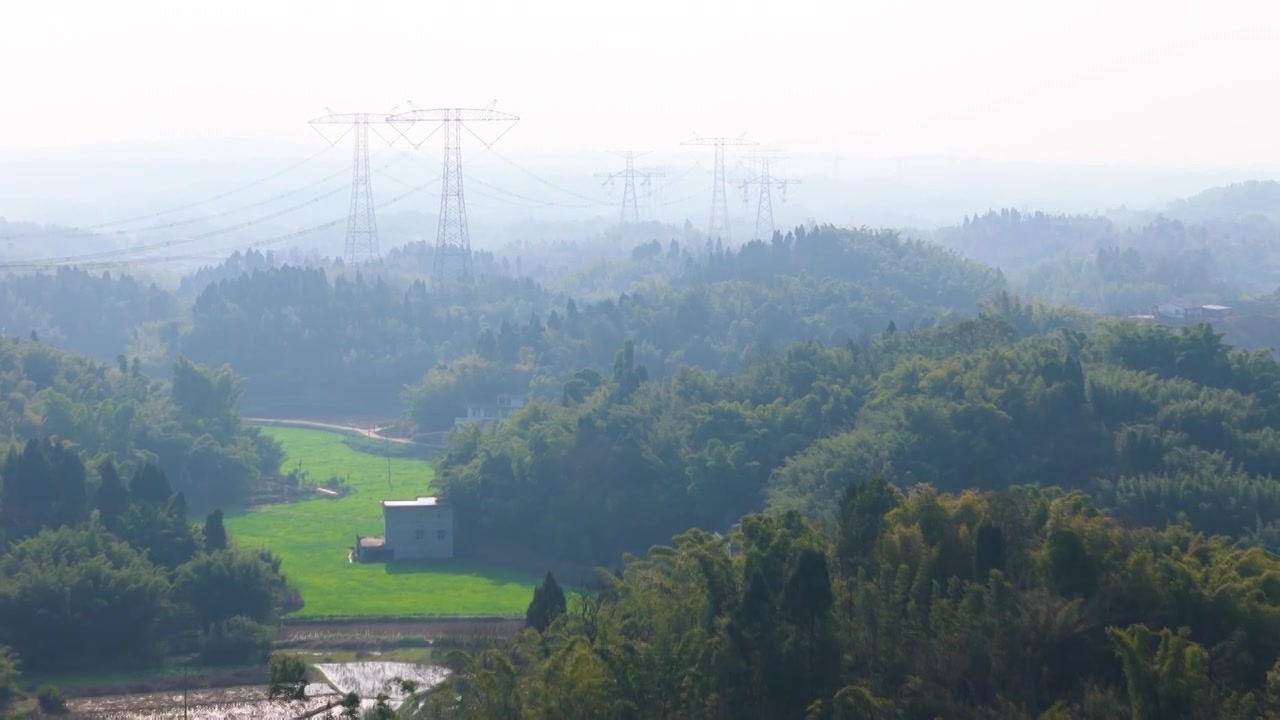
{"x": 440, "y": 534}
{"x": 419, "y": 534}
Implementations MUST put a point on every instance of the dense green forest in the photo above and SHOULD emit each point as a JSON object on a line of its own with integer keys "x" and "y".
{"x": 103, "y": 563}
{"x": 98, "y": 569}
{"x": 336, "y": 339}
{"x": 1154, "y": 423}
{"x": 189, "y": 427}
{"x": 896, "y": 489}
{"x": 911, "y": 604}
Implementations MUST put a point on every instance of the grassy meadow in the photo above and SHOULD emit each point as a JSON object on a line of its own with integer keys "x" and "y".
{"x": 313, "y": 536}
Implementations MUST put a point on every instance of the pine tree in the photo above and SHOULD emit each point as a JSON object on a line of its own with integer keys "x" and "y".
{"x": 149, "y": 486}
{"x": 112, "y": 498}
{"x": 215, "y": 535}
{"x": 177, "y": 506}
{"x": 989, "y": 551}
{"x": 547, "y": 605}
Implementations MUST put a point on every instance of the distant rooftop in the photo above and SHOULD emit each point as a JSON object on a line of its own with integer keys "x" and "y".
{"x": 1215, "y": 307}
{"x": 419, "y": 502}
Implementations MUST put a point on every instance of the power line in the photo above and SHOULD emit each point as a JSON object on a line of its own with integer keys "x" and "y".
{"x": 452, "y": 261}
{"x": 718, "y": 227}
{"x": 629, "y": 175}
{"x": 120, "y": 252}
{"x": 123, "y": 252}
{"x": 593, "y": 202}
{"x": 98, "y": 261}
{"x": 170, "y": 211}
{"x": 362, "y": 225}
{"x": 764, "y": 204}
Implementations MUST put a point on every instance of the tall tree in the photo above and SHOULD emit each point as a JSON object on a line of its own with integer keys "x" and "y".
{"x": 44, "y": 486}
{"x": 547, "y": 605}
{"x": 150, "y": 487}
{"x": 215, "y": 535}
{"x": 112, "y": 498}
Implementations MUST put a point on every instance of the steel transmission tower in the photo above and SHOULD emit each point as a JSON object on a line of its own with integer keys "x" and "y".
{"x": 718, "y": 228}
{"x": 362, "y": 225}
{"x": 764, "y": 205}
{"x": 453, "y": 241}
{"x": 630, "y": 203}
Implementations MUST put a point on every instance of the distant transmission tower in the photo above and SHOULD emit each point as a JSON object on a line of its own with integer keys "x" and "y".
{"x": 362, "y": 225}
{"x": 453, "y": 240}
{"x": 718, "y": 228}
{"x": 764, "y": 205}
{"x": 630, "y": 203}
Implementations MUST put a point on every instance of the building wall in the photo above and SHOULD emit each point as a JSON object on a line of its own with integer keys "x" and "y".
{"x": 420, "y": 532}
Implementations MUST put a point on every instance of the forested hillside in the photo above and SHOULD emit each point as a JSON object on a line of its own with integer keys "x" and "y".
{"x": 1018, "y": 604}
{"x": 897, "y": 489}
{"x": 1154, "y": 424}
{"x": 98, "y": 315}
{"x": 189, "y": 427}
{"x": 101, "y": 565}
{"x": 1121, "y": 266}
{"x": 829, "y": 285}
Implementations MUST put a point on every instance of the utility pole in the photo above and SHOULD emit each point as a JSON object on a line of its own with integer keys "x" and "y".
{"x": 452, "y": 263}
{"x": 629, "y": 175}
{"x": 764, "y": 204}
{"x": 362, "y": 225}
{"x": 718, "y": 228}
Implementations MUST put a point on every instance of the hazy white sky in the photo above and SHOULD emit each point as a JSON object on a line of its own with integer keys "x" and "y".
{"x": 1167, "y": 82}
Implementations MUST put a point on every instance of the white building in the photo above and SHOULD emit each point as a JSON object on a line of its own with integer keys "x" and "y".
{"x": 418, "y": 529}
{"x": 500, "y": 409}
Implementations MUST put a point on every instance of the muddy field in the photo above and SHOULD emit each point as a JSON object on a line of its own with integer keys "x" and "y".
{"x": 310, "y": 634}
{"x": 241, "y": 703}
{"x": 371, "y": 678}
{"x": 251, "y": 703}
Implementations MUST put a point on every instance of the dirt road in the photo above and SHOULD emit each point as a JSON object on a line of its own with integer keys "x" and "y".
{"x": 373, "y": 433}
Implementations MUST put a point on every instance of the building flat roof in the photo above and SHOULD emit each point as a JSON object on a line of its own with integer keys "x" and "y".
{"x": 419, "y": 502}
{"x": 1215, "y": 307}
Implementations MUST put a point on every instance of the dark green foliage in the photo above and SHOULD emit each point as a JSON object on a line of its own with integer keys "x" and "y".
{"x": 166, "y": 538}
{"x": 51, "y": 700}
{"x": 215, "y": 535}
{"x": 989, "y": 551}
{"x": 119, "y": 414}
{"x": 1123, "y": 265}
{"x": 177, "y": 506}
{"x": 1074, "y": 571}
{"x": 237, "y": 640}
{"x": 229, "y": 583}
{"x": 44, "y": 487}
{"x": 287, "y": 677}
{"x": 95, "y": 314}
{"x": 10, "y": 673}
{"x": 150, "y": 487}
{"x": 111, "y": 498}
{"x": 548, "y": 604}
{"x": 74, "y": 598}
{"x": 806, "y": 597}
{"x": 862, "y": 514}
{"x": 909, "y": 633}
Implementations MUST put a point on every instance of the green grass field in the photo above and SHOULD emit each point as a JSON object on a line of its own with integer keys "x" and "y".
{"x": 313, "y": 538}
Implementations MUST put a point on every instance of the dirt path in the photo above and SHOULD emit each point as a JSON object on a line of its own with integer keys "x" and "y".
{"x": 374, "y": 433}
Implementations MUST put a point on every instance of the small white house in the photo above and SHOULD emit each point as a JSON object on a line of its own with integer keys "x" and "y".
{"x": 418, "y": 529}
{"x": 500, "y": 409}
{"x": 1170, "y": 310}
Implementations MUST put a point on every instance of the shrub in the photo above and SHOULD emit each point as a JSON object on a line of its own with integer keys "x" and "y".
{"x": 236, "y": 641}
{"x": 51, "y": 699}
